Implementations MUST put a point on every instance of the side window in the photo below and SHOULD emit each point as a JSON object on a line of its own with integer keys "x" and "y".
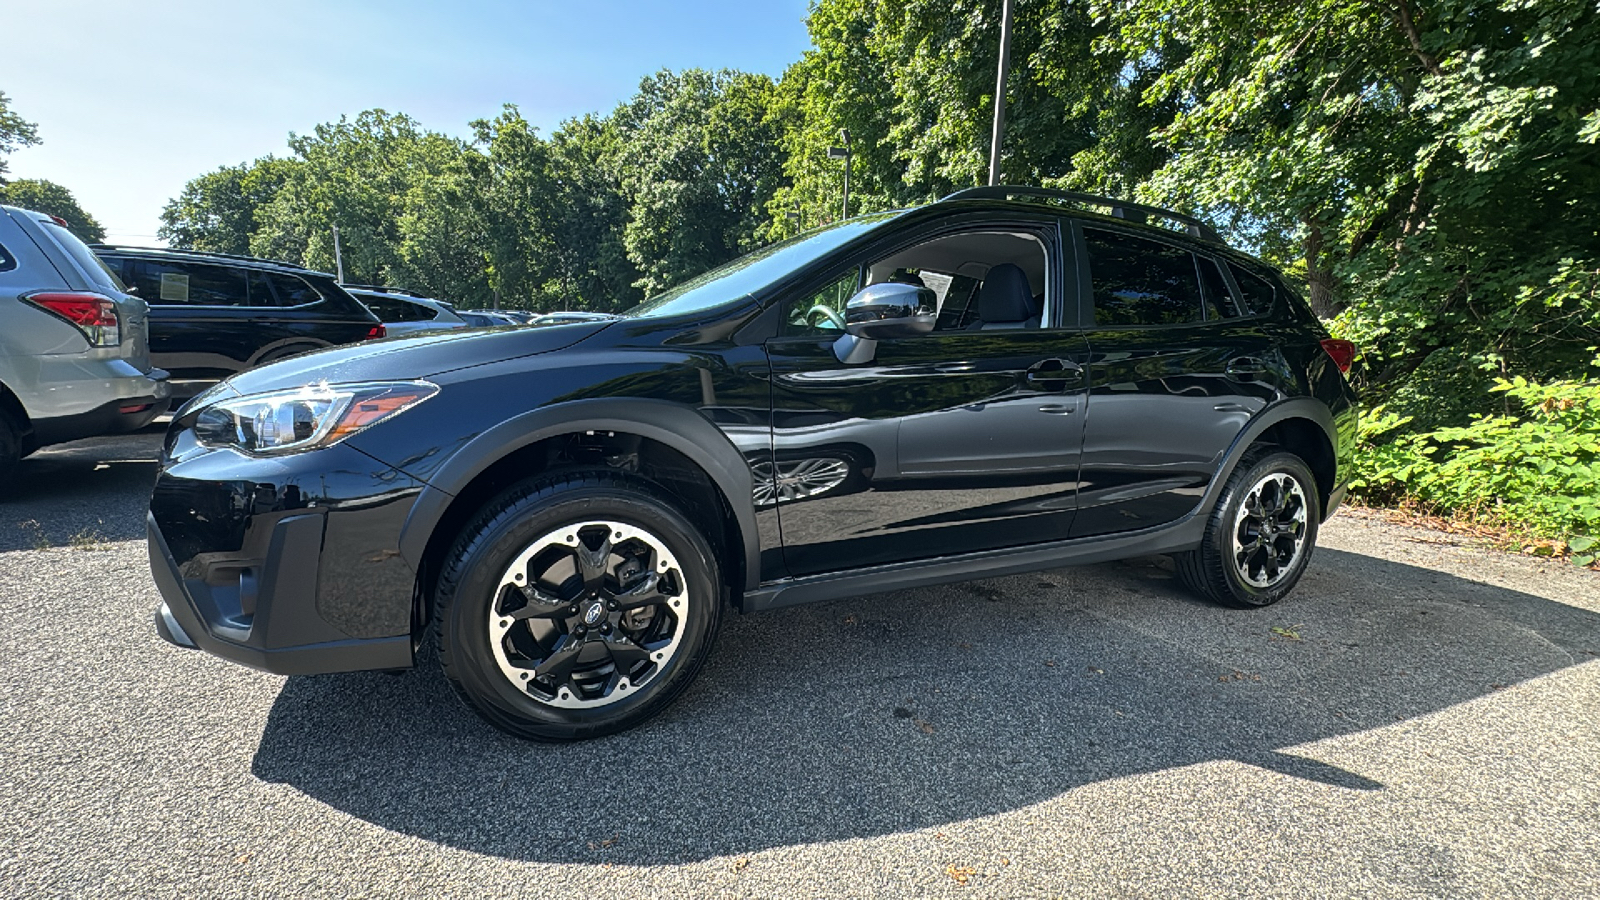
{"x": 385, "y": 308}
{"x": 416, "y": 312}
{"x": 1220, "y": 302}
{"x": 1259, "y": 294}
{"x": 1141, "y": 282}
{"x": 7, "y": 261}
{"x": 163, "y": 283}
{"x": 293, "y": 291}
{"x": 820, "y": 312}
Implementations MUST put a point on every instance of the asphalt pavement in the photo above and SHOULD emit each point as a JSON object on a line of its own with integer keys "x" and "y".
{"x": 1417, "y": 720}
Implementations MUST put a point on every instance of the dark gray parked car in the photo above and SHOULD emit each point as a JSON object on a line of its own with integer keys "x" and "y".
{"x": 74, "y": 344}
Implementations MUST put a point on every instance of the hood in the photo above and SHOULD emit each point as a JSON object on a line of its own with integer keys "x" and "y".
{"x": 412, "y": 356}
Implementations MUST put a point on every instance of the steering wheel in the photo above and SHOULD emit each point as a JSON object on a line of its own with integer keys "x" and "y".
{"x": 825, "y": 313}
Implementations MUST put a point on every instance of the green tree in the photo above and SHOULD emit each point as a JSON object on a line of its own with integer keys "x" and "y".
{"x": 1428, "y": 167}
{"x": 912, "y": 81}
{"x": 53, "y": 199}
{"x": 15, "y": 132}
{"x": 357, "y": 174}
{"x": 698, "y": 160}
{"x": 217, "y": 211}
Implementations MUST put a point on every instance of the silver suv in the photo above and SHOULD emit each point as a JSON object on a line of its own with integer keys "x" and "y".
{"x": 74, "y": 344}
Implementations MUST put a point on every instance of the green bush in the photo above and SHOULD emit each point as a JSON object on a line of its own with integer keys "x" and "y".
{"x": 1537, "y": 471}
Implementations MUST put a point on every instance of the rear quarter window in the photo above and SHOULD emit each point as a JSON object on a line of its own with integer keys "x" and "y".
{"x": 7, "y": 261}
{"x": 1259, "y": 294}
{"x": 91, "y": 265}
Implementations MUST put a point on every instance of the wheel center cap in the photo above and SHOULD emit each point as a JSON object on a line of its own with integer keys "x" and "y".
{"x": 595, "y": 612}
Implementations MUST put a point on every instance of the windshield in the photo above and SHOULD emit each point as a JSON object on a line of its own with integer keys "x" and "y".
{"x": 756, "y": 270}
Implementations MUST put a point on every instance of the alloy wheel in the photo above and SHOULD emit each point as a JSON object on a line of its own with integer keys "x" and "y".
{"x": 588, "y": 614}
{"x": 1269, "y": 531}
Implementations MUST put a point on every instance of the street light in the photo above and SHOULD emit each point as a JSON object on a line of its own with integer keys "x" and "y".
{"x": 998, "y": 136}
{"x": 844, "y": 154}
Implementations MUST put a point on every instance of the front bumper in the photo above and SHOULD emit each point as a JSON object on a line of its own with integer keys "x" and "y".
{"x": 285, "y": 565}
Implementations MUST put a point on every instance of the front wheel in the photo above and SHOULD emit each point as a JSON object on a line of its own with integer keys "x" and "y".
{"x": 577, "y": 606}
{"x": 1260, "y": 535}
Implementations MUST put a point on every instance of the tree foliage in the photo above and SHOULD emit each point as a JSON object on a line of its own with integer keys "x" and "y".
{"x": 53, "y": 199}
{"x": 1423, "y": 165}
{"x": 15, "y": 132}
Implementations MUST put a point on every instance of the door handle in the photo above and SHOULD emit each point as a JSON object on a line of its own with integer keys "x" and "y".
{"x": 1058, "y": 409}
{"x": 1245, "y": 367}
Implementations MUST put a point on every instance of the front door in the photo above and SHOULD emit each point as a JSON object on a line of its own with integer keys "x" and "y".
{"x": 962, "y": 440}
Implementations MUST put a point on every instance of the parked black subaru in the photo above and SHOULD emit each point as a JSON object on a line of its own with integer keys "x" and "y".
{"x": 1000, "y": 382}
{"x": 212, "y": 314}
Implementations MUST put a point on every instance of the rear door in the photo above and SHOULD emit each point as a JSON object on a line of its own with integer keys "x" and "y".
{"x": 1176, "y": 370}
{"x": 201, "y": 328}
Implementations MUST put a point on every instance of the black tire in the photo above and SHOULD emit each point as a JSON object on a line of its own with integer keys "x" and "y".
{"x": 472, "y": 589}
{"x": 10, "y": 451}
{"x": 1214, "y": 571}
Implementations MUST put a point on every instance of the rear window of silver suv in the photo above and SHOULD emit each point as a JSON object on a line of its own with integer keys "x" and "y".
{"x": 91, "y": 264}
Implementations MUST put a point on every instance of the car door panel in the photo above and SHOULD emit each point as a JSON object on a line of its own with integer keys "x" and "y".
{"x": 958, "y": 451}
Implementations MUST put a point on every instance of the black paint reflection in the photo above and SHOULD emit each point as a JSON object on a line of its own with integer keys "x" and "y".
{"x": 942, "y": 445}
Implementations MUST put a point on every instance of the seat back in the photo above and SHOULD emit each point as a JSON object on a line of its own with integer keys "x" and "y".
{"x": 1006, "y": 301}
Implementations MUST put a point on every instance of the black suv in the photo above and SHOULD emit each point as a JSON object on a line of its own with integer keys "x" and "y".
{"x": 212, "y": 315}
{"x": 979, "y": 387}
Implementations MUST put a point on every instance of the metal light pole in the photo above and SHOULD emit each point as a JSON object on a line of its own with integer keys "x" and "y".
{"x": 338, "y": 257}
{"x": 1000, "y": 93}
{"x": 844, "y": 154}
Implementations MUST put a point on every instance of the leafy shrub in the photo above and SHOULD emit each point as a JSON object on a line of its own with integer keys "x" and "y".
{"x": 1538, "y": 472}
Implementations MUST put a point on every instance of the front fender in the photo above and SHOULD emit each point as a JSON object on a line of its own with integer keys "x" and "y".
{"x": 678, "y": 426}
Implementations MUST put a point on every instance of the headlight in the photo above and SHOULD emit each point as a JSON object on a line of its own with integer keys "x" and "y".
{"x": 307, "y": 418}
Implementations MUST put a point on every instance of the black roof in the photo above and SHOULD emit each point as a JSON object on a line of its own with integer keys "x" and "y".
{"x": 204, "y": 256}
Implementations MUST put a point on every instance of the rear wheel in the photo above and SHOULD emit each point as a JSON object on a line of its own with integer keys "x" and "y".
{"x": 1260, "y": 536}
{"x": 10, "y": 450}
{"x": 577, "y": 606}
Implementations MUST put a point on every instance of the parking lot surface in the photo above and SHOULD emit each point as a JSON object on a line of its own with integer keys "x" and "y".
{"x": 1418, "y": 719}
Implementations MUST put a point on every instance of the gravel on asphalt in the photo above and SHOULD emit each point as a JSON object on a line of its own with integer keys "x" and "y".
{"x": 1417, "y": 720}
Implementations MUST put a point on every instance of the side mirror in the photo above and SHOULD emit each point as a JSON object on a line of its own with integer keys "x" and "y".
{"x": 890, "y": 309}
{"x": 886, "y": 310}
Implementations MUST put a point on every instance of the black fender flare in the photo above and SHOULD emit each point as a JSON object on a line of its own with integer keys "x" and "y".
{"x": 677, "y": 426}
{"x": 1295, "y": 408}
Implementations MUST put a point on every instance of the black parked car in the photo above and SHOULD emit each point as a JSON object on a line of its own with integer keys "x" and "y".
{"x": 212, "y": 315}
{"x": 979, "y": 387}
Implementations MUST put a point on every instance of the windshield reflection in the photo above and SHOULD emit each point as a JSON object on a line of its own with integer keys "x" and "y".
{"x": 756, "y": 270}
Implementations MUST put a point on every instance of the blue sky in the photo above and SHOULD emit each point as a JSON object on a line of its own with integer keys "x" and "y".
{"x": 134, "y": 99}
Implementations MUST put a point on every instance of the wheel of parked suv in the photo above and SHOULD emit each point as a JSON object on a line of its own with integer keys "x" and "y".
{"x": 10, "y": 449}
{"x": 576, "y": 606}
{"x": 1260, "y": 535}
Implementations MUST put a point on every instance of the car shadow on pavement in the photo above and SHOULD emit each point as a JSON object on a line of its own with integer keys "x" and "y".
{"x": 83, "y": 494}
{"x": 915, "y": 709}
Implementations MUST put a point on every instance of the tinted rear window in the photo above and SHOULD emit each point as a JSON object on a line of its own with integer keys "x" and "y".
{"x": 1220, "y": 302}
{"x": 1259, "y": 294}
{"x": 164, "y": 283}
{"x": 292, "y": 290}
{"x": 1141, "y": 282}
{"x": 92, "y": 265}
{"x": 7, "y": 261}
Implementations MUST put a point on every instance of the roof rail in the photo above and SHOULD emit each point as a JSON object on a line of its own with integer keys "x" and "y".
{"x": 381, "y": 289}
{"x": 129, "y": 248}
{"x": 1121, "y": 209}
